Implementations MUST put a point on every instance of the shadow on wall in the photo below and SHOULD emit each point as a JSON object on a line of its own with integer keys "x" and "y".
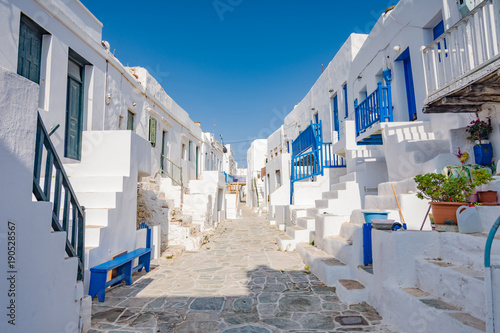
{"x": 267, "y": 300}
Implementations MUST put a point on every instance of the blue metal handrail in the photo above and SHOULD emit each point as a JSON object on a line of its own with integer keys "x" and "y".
{"x": 312, "y": 163}
{"x": 73, "y": 217}
{"x": 309, "y": 138}
{"x": 489, "y": 243}
{"x": 375, "y": 108}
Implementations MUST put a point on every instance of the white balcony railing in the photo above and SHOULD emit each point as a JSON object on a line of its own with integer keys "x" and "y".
{"x": 469, "y": 45}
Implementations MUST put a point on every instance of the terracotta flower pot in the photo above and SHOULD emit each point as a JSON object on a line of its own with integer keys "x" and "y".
{"x": 446, "y": 212}
{"x": 487, "y": 196}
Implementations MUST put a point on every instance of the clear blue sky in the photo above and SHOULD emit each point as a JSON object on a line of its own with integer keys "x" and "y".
{"x": 241, "y": 63}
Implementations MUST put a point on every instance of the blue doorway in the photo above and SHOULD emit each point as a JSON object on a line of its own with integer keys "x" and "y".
{"x": 410, "y": 89}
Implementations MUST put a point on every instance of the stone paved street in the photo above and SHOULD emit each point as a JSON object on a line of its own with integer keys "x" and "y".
{"x": 238, "y": 282}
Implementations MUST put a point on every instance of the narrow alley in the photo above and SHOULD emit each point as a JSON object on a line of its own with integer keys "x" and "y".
{"x": 238, "y": 282}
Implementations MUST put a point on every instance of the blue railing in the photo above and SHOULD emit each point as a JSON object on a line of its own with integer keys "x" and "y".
{"x": 308, "y": 138}
{"x": 489, "y": 243}
{"x": 310, "y": 164}
{"x": 375, "y": 108}
{"x": 329, "y": 159}
{"x": 306, "y": 165}
{"x": 65, "y": 206}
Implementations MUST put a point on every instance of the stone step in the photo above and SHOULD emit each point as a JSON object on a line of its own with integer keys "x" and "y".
{"x": 285, "y": 243}
{"x": 306, "y": 223}
{"x": 338, "y": 247}
{"x": 97, "y": 184}
{"x": 334, "y": 194}
{"x": 456, "y": 284}
{"x": 299, "y": 234}
{"x": 97, "y": 199}
{"x": 348, "y": 231}
{"x": 339, "y": 187}
{"x": 351, "y": 291}
{"x": 92, "y": 235}
{"x": 416, "y": 311}
{"x": 96, "y": 216}
{"x": 341, "y": 206}
{"x": 350, "y": 177}
{"x": 313, "y": 212}
{"x": 327, "y": 268}
{"x": 328, "y": 225}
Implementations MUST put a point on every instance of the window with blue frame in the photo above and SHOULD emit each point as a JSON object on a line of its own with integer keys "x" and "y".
{"x": 335, "y": 115}
{"x": 30, "y": 49}
{"x": 346, "y": 104}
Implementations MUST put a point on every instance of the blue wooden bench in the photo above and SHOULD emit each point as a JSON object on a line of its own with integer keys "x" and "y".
{"x": 124, "y": 267}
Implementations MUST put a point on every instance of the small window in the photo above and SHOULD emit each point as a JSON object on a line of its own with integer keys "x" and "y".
{"x": 183, "y": 151}
{"x": 189, "y": 153}
{"x": 316, "y": 118}
{"x": 278, "y": 178}
{"x": 30, "y": 49}
{"x": 130, "y": 120}
{"x": 152, "y": 131}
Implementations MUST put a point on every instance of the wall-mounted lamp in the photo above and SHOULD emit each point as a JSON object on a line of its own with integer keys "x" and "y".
{"x": 397, "y": 48}
{"x": 331, "y": 90}
{"x": 134, "y": 104}
{"x": 313, "y": 109}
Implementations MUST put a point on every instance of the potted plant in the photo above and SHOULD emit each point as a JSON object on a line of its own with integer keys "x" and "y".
{"x": 479, "y": 130}
{"x": 447, "y": 194}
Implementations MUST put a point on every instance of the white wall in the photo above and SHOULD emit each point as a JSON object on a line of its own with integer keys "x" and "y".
{"x": 256, "y": 160}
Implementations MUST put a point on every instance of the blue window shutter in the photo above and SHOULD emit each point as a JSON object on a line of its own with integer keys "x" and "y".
{"x": 346, "y": 104}
{"x": 152, "y": 131}
{"x": 438, "y": 30}
{"x": 30, "y": 49}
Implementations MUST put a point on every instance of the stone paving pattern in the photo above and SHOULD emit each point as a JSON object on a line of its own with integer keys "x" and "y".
{"x": 237, "y": 283}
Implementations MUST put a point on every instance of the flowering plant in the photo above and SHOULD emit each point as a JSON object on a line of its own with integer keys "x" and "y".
{"x": 478, "y": 129}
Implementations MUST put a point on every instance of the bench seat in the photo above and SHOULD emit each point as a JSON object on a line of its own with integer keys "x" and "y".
{"x": 123, "y": 264}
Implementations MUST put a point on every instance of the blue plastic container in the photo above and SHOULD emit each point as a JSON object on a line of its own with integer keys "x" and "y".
{"x": 367, "y": 234}
{"x": 369, "y": 216}
{"x": 483, "y": 154}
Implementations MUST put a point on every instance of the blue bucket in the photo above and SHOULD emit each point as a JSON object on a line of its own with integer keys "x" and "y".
{"x": 369, "y": 216}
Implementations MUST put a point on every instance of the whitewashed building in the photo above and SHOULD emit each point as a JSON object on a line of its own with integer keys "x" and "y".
{"x": 256, "y": 161}
{"x": 70, "y": 192}
{"x": 405, "y": 97}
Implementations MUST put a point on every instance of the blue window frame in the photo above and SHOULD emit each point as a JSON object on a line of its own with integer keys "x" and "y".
{"x": 346, "y": 104}
{"x": 316, "y": 118}
{"x": 335, "y": 111}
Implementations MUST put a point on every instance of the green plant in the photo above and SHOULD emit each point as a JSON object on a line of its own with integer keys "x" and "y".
{"x": 440, "y": 188}
{"x": 478, "y": 129}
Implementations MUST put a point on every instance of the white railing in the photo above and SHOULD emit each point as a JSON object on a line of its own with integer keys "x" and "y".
{"x": 469, "y": 45}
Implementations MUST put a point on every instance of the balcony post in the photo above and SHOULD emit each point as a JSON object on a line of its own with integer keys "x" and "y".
{"x": 356, "y": 116}
{"x": 390, "y": 117}
{"x": 380, "y": 102}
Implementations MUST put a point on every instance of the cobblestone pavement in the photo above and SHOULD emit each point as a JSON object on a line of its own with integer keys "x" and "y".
{"x": 238, "y": 282}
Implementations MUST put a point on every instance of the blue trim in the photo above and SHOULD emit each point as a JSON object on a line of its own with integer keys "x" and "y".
{"x": 335, "y": 108}
{"x": 346, "y": 103}
{"x": 489, "y": 242}
{"x": 438, "y": 30}
{"x": 410, "y": 88}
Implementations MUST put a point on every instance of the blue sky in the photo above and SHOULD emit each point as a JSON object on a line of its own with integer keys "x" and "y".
{"x": 242, "y": 64}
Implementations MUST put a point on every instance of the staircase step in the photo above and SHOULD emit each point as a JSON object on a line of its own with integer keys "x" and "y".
{"x": 328, "y": 225}
{"x": 339, "y": 187}
{"x": 285, "y": 243}
{"x": 97, "y": 199}
{"x": 299, "y": 234}
{"x": 350, "y": 177}
{"x": 437, "y": 315}
{"x": 326, "y": 267}
{"x": 338, "y": 247}
{"x": 92, "y": 235}
{"x": 351, "y": 291}
{"x": 97, "y": 184}
{"x": 460, "y": 285}
{"x": 306, "y": 223}
{"x": 96, "y": 216}
{"x": 334, "y": 194}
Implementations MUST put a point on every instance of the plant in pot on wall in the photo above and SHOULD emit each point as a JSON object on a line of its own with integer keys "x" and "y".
{"x": 447, "y": 194}
{"x": 479, "y": 131}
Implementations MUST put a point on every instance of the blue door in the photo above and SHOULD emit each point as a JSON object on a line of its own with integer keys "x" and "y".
{"x": 410, "y": 89}
{"x": 335, "y": 108}
{"x": 74, "y": 111}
